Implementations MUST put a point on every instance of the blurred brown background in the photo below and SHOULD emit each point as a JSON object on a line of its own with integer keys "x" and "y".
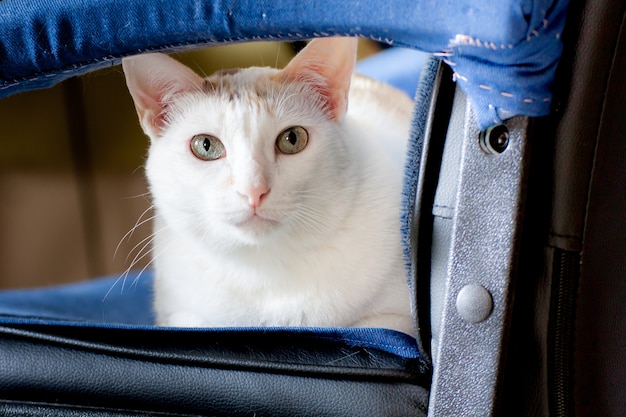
{"x": 71, "y": 171}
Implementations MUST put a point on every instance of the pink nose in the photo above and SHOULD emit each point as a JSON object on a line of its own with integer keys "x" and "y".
{"x": 255, "y": 195}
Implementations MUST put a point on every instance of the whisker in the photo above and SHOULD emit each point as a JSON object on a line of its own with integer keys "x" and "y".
{"x": 142, "y": 195}
{"x": 111, "y": 288}
{"x": 136, "y": 280}
{"x": 148, "y": 240}
{"x": 123, "y": 277}
{"x": 199, "y": 69}
{"x": 141, "y": 254}
{"x": 310, "y": 219}
{"x": 149, "y": 237}
{"x": 138, "y": 223}
{"x": 135, "y": 171}
{"x": 311, "y": 195}
{"x": 277, "y": 55}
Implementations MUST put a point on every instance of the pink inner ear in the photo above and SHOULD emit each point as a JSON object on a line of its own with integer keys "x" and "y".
{"x": 327, "y": 64}
{"x": 150, "y": 111}
{"x": 335, "y": 104}
{"x": 150, "y": 78}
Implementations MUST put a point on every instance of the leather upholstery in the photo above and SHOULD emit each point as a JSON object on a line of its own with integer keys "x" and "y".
{"x": 600, "y": 354}
{"x": 575, "y": 210}
{"x": 233, "y": 374}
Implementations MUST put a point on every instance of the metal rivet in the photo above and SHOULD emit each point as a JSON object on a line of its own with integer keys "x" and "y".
{"x": 474, "y": 303}
{"x": 495, "y": 139}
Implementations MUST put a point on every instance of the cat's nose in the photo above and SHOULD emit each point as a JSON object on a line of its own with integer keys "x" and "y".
{"x": 255, "y": 194}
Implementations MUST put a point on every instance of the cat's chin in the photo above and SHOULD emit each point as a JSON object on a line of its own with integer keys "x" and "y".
{"x": 255, "y": 229}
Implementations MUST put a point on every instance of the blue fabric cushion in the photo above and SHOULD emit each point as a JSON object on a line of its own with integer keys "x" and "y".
{"x": 110, "y": 300}
{"x": 504, "y": 53}
{"x": 113, "y": 302}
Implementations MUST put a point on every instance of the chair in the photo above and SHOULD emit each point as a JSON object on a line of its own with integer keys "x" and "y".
{"x": 496, "y": 218}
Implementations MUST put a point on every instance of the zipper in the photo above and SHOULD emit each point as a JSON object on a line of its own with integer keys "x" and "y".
{"x": 566, "y": 272}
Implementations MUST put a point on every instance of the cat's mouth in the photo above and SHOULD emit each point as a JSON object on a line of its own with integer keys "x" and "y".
{"x": 256, "y": 223}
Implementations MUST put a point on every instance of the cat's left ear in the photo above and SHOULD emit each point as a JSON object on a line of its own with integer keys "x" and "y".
{"x": 327, "y": 63}
{"x": 151, "y": 78}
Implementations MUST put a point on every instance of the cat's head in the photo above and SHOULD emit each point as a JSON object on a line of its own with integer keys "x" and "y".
{"x": 249, "y": 155}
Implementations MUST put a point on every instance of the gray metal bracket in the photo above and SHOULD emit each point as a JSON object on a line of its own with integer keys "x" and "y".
{"x": 475, "y": 244}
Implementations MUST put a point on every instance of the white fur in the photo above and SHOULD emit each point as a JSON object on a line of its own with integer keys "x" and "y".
{"x": 324, "y": 248}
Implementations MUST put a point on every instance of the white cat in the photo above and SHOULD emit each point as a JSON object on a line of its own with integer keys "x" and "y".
{"x": 277, "y": 193}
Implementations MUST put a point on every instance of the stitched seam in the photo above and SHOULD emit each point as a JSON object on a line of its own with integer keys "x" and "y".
{"x": 209, "y": 42}
{"x": 360, "y": 342}
{"x": 505, "y": 94}
{"x": 467, "y": 40}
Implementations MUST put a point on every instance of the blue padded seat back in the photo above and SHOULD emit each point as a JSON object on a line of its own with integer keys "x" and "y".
{"x": 504, "y": 53}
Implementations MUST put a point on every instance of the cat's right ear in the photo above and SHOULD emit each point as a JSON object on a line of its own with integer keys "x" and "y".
{"x": 151, "y": 78}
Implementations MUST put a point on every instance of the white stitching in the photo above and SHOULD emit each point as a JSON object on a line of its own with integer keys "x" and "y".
{"x": 467, "y": 40}
{"x": 456, "y": 76}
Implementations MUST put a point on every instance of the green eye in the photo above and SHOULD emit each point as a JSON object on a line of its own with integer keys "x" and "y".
{"x": 292, "y": 140}
{"x": 207, "y": 147}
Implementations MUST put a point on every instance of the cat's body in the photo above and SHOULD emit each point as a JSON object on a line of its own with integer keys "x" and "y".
{"x": 302, "y": 230}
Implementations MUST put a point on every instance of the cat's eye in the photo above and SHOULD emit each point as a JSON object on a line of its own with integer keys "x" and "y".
{"x": 292, "y": 140}
{"x": 207, "y": 147}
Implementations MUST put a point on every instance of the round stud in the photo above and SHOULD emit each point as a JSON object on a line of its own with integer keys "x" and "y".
{"x": 495, "y": 139}
{"x": 474, "y": 303}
